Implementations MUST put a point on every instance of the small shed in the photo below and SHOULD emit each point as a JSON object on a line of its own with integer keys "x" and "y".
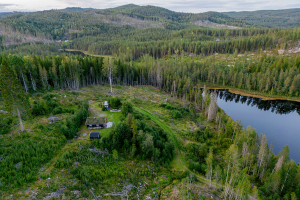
{"x": 94, "y": 135}
{"x": 96, "y": 123}
{"x": 106, "y": 104}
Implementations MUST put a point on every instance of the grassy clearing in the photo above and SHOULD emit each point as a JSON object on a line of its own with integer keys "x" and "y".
{"x": 126, "y": 170}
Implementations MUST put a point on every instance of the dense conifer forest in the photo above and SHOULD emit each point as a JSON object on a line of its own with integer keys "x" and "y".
{"x": 159, "y": 67}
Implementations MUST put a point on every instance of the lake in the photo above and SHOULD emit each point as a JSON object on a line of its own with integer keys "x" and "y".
{"x": 279, "y": 120}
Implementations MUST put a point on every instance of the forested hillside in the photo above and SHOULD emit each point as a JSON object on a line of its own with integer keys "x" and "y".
{"x": 169, "y": 140}
{"x": 89, "y": 25}
{"x": 289, "y": 18}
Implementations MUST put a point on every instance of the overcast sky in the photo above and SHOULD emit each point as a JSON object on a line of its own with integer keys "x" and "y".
{"x": 194, "y": 6}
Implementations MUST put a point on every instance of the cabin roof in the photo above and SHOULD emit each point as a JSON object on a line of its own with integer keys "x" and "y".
{"x": 101, "y": 120}
{"x": 94, "y": 134}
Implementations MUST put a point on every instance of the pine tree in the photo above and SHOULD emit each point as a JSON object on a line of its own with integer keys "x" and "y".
{"x": 12, "y": 91}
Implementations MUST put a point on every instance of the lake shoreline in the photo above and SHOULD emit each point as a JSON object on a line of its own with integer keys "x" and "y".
{"x": 86, "y": 53}
{"x": 252, "y": 94}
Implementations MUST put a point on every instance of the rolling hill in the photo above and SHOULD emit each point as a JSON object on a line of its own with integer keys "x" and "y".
{"x": 288, "y": 18}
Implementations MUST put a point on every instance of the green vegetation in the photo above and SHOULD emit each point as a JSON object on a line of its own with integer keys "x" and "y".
{"x": 157, "y": 144}
{"x": 170, "y": 140}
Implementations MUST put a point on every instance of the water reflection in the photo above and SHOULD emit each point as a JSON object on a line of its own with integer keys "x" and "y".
{"x": 275, "y": 106}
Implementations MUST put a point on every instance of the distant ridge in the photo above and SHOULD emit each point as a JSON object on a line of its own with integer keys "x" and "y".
{"x": 286, "y": 18}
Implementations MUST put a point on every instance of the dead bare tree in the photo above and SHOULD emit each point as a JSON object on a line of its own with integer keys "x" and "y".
{"x": 212, "y": 109}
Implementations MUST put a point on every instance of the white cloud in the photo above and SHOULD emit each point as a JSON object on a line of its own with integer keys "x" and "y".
{"x": 194, "y": 6}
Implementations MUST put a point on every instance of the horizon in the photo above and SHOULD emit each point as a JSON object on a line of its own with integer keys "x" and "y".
{"x": 188, "y": 7}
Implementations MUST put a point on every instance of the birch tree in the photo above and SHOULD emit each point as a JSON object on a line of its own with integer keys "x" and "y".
{"x": 12, "y": 91}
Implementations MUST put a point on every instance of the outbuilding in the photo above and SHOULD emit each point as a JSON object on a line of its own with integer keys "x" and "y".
{"x": 96, "y": 123}
{"x": 94, "y": 135}
{"x": 106, "y": 104}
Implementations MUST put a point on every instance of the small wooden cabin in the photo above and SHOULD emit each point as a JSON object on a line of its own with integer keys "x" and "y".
{"x": 96, "y": 123}
{"x": 94, "y": 135}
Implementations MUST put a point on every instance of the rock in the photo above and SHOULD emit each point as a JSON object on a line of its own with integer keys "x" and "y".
{"x": 280, "y": 52}
{"x": 85, "y": 134}
{"x": 128, "y": 187}
{"x": 65, "y": 96}
{"x": 52, "y": 119}
{"x": 18, "y": 165}
{"x": 27, "y": 191}
{"x": 76, "y": 164}
{"x": 56, "y": 194}
{"x": 76, "y": 192}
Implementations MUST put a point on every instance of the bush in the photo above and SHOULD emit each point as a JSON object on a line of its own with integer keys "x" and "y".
{"x": 176, "y": 114}
{"x": 115, "y": 102}
{"x": 5, "y": 125}
{"x": 163, "y": 105}
{"x": 57, "y": 110}
{"x": 48, "y": 96}
{"x": 40, "y": 107}
{"x": 127, "y": 107}
{"x": 69, "y": 128}
{"x": 197, "y": 167}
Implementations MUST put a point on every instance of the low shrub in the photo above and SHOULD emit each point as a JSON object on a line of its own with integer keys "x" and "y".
{"x": 176, "y": 114}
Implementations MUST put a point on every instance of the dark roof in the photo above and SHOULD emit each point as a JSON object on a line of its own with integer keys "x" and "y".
{"x": 94, "y": 134}
{"x": 95, "y": 121}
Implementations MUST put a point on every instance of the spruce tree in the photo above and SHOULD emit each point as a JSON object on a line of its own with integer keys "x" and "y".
{"x": 12, "y": 91}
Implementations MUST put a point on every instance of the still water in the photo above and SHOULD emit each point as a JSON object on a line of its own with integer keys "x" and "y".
{"x": 279, "y": 120}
